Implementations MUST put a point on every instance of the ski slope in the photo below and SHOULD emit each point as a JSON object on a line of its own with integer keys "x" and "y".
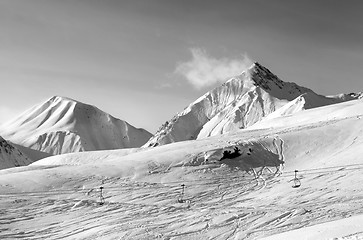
{"x": 58, "y": 197}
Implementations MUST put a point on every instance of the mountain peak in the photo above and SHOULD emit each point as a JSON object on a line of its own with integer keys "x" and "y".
{"x": 236, "y": 104}
{"x": 62, "y": 125}
{"x": 58, "y": 98}
{"x": 264, "y": 78}
{"x": 257, "y": 65}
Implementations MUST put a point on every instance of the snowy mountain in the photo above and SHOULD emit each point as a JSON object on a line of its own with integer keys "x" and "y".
{"x": 185, "y": 190}
{"x": 237, "y": 104}
{"x": 292, "y": 172}
{"x": 10, "y": 156}
{"x": 62, "y": 125}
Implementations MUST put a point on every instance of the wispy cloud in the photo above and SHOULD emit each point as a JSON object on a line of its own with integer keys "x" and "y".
{"x": 203, "y": 70}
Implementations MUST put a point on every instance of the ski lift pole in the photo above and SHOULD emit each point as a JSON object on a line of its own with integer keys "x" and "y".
{"x": 296, "y": 180}
{"x": 183, "y": 186}
{"x": 102, "y": 200}
{"x": 180, "y": 198}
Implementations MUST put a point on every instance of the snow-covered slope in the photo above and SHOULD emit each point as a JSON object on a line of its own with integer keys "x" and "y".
{"x": 79, "y": 158}
{"x": 10, "y": 156}
{"x": 349, "y": 96}
{"x": 349, "y": 228}
{"x": 62, "y": 125}
{"x": 305, "y": 101}
{"x": 238, "y": 104}
{"x": 59, "y": 197}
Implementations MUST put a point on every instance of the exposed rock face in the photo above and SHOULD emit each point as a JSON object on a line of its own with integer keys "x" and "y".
{"x": 10, "y": 156}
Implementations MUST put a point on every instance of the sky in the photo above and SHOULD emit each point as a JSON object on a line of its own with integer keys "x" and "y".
{"x": 143, "y": 61}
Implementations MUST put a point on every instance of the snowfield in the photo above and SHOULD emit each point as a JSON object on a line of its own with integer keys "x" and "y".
{"x": 335, "y": 230}
{"x": 244, "y": 197}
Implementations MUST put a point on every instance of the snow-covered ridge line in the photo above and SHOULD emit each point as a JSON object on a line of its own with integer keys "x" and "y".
{"x": 63, "y": 125}
{"x": 238, "y": 103}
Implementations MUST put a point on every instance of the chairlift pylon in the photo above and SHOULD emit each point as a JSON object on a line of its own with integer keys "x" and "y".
{"x": 180, "y": 198}
{"x": 102, "y": 200}
{"x": 296, "y": 180}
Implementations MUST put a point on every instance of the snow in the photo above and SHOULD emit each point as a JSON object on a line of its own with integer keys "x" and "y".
{"x": 239, "y": 103}
{"x": 10, "y": 156}
{"x": 63, "y": 125}
{"x": 85, "y": 157}
{"x": 347, "y": 228}
{"x": 305, "y": 101}
{"x": 228, "y": 172}
{"x": 58, "y": 197}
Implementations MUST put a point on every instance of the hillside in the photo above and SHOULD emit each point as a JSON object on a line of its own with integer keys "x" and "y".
{"x": 63, "y": 125}
{"x": 10, "y": 156}
{"x": 221, "y": 198}
{"x": 237, "y": 104}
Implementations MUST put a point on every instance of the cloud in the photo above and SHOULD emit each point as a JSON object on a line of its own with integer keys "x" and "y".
{"x": 203, "y": 70}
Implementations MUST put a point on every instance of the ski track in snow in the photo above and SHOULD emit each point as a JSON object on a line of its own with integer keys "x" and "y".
{"x": 220, "y": 202}
{"x": 144, "y": 210}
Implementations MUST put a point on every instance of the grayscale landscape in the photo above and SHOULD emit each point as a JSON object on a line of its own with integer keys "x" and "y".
{"x": 208, "y": 148}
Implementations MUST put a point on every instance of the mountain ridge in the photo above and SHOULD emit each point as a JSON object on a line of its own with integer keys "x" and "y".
{"x": 236, "y": 104}
{"x": 11, "y": 156}
{"x": 63, "y": 125}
